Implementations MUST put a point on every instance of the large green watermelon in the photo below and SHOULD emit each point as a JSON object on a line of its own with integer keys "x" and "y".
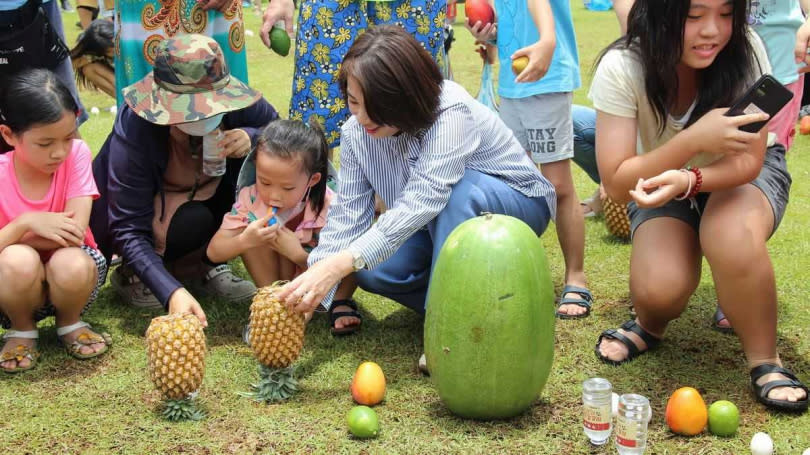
{"x": 489, "y": 328}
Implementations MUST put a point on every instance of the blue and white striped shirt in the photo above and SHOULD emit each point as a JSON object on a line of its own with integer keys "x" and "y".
{"x": 414, "y": 175}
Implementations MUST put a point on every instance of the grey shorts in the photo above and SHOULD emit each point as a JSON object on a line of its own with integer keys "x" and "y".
{"x": 542, "y": 124}
{"x": 773, "y": 180}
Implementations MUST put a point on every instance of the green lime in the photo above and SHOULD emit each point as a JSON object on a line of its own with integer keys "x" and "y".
{"x": 724, "y": 418}
{"x": 279, "y": 41}
{"x": 363, "y": 422}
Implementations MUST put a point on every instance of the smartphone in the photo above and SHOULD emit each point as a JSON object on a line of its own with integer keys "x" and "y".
{"x": 766, "y": 95}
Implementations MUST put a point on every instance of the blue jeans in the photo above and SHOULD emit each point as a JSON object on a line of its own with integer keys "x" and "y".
{"x": 584, "y": 119}
{"x": 404, "y": 277}
{"x": 64, "y": 71}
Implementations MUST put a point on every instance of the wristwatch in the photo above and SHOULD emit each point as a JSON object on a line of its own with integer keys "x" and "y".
{"x": 358, "y": 263}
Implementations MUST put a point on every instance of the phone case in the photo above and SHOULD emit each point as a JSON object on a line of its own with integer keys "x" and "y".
{"x": 766, "y": 95}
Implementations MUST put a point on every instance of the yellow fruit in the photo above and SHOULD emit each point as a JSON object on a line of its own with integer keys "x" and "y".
{"x": 368, "y": 384}
{"x": 616, "y": 219}
{"x": 519, "y": 64}
{"x": 176, "y": 358}
{"x": 276, "y": 337}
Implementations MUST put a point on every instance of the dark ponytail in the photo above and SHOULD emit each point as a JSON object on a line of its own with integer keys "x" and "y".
{"x": 32, "y": 97}
{"x": 294, "y": 139}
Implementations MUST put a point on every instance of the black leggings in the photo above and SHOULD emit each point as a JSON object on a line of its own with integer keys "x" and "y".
{"x": 195, "y": 223}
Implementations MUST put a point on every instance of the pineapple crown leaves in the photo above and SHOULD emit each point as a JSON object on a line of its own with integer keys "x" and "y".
{"x": 276, "y": 384}
{"x": 182, "y": 410}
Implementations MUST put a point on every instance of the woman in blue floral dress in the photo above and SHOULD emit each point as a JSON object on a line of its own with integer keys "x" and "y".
{"x": 326, "y": 30}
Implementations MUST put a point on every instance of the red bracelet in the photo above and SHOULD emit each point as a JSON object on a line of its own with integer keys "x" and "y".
{"x": 698, "y": 182}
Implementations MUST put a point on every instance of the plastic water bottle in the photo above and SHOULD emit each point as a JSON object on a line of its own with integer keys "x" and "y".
{"x": 631, "y": 424}
{"x": 597, "y": 418}
{"x": 213, "y": 164}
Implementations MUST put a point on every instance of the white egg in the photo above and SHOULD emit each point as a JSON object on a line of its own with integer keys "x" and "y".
{"x": 761, "y": 444}
{"x": 806, "y": 451}
{"x": 113, "y": 110}
{"x": 248, "y": 32}
{"x": 615, "y": 404}
{"x": 94, "y": 110}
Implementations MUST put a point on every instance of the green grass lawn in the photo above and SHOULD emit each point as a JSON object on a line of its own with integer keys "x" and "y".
{"x": 108, "y": 405}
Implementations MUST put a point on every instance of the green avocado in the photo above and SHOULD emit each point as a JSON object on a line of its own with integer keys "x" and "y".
{"x": 279, "y": 41}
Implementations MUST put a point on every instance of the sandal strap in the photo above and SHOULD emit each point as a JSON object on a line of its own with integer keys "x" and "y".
{"x": 767, "y": 368}
{"x": 572, "y": 301}
{"x": 583, "y": 292}
{"x": 20, "y": 352}
{"x": 632, "y": 349}
{"x": 345, "y": 302}
{"x": 62, "y": 331}
{"x": 650, "y": 339}
{"x": 764, "y": 389}
{"x": 27, "y": 334}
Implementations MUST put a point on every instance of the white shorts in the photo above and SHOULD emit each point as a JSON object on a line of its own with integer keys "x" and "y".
{"x": 542, "y": 124}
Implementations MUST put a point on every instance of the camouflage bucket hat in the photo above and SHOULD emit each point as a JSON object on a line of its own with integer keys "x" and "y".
{"x": 190, "y": 81}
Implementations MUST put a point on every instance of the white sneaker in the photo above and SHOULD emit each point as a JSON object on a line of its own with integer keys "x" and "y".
{"x": 221, "y": 283}
{"x": 132, "y": 290}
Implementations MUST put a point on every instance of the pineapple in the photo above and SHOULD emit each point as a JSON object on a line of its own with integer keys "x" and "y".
{"x": 176, "y": 354}
{"x": 276, "y": 337}
{"x": 616, "y": 219}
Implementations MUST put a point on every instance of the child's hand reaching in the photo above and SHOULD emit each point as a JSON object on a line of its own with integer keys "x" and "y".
{"x": 287, "y": 244}
{"x": 658, "y": 190}
{"x": 257, "y": 233}
{"x": 539, "y": 55}
{"x": 57, "y": 227}
{"x": 483, "y": 33}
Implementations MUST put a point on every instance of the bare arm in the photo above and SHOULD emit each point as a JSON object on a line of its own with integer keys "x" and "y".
{"x": 541, "y": 52}
{"x": 226, "y": 245}
{"x": 621, "y": 168}
{"x": 13, "y": 232}
{"x": 622, "y": 8}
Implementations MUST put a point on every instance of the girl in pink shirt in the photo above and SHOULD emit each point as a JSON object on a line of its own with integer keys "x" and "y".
{"x": 279, "y": 211}
{"x": 49, "y": 264}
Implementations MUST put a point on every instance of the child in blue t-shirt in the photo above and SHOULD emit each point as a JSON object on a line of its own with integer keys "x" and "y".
{"x": 536, "y": 105}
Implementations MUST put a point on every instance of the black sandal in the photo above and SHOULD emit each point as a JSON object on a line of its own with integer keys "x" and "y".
{"x": 761, "y": 391}
{"x": 335, "y": 315}
{"x": 632, "y": 350}
{"x": 585, "y": 301}
{"x": 719, "y": 316}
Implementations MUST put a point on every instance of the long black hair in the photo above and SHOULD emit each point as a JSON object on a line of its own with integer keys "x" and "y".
{"x": 96, "y": 40}
{"x": 655, "y": 34}
{"x": 294, "y": 139}
{"x": 32, "y": 97}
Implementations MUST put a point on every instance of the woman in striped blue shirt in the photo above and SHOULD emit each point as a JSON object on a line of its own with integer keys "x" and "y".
{"x": 433, "y": 154}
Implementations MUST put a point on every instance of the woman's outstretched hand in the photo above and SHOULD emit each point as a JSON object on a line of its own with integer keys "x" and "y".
{"x": 304, "y": 293}
{"x": 658, "y": 190}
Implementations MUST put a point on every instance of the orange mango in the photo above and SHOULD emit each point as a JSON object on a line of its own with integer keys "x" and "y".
{"x": 368, "y": 384}
{"x": 804, "y": 125}
{"x": 686, "y": 412}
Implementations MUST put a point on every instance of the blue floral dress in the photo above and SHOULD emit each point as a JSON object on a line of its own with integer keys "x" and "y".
{"x": 326, "y": 31}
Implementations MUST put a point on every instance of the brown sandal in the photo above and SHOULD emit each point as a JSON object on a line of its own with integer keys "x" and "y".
{"x": 85, "y": 338}
{"x": 20, "y": 351}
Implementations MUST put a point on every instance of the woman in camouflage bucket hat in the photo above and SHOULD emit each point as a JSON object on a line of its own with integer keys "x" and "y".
{"x": 158, "y": 210}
